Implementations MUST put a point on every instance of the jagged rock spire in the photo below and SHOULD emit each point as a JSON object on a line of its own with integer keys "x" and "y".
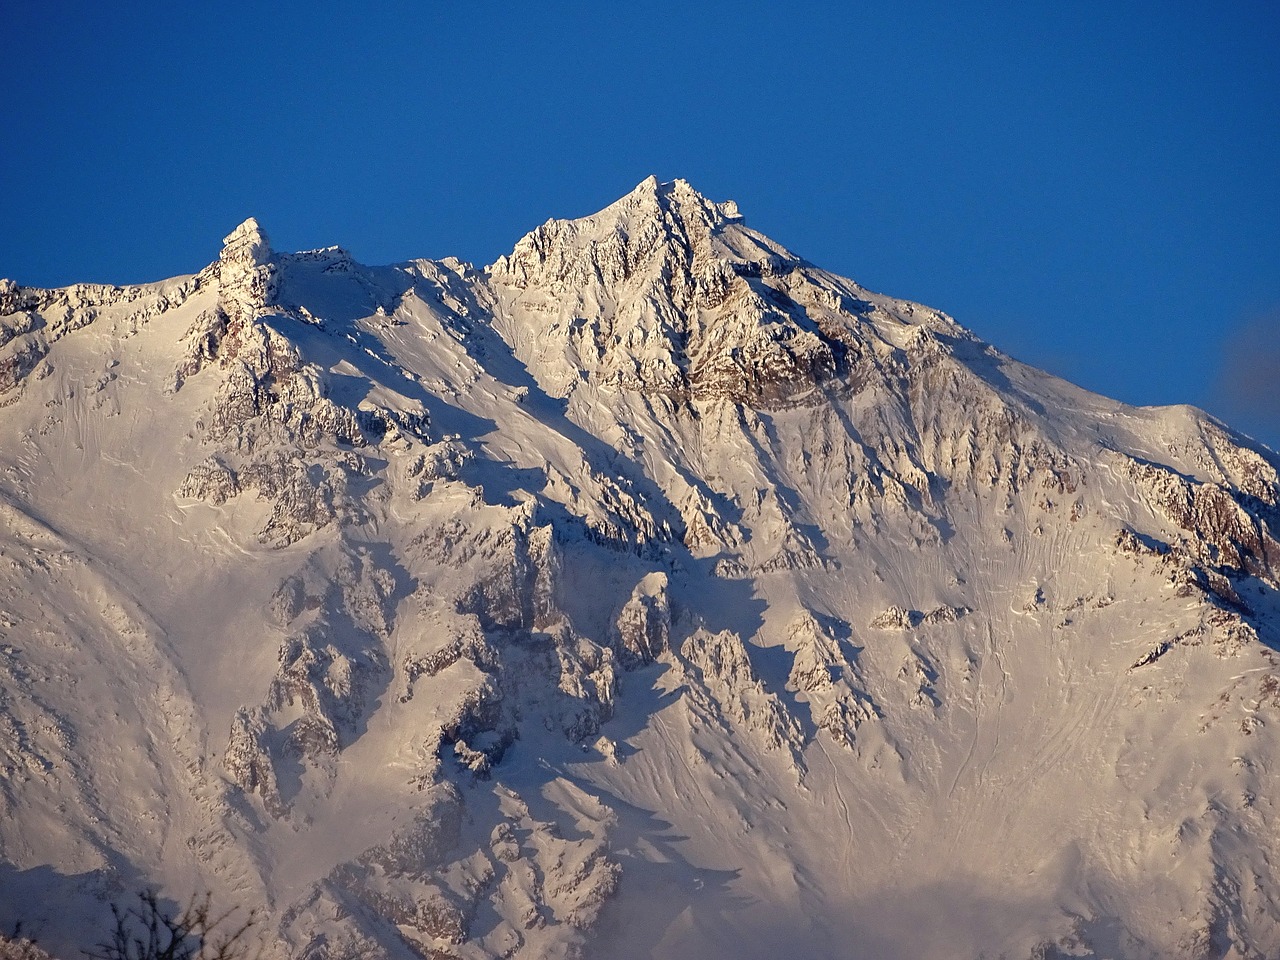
{"x": 246, "y": 275}
{"x": 248, "y": 239}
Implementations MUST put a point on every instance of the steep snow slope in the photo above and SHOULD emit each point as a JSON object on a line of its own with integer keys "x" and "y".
{"x": 651, "y": 592}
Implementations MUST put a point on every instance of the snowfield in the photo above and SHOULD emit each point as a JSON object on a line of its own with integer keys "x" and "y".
{"x": 651, "y": 592}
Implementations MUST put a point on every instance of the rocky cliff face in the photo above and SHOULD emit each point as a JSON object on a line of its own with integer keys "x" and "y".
{"x": 585, "y": 604}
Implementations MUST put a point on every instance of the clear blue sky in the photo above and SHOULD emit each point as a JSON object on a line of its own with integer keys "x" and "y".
{"x": 1093, "y": 187}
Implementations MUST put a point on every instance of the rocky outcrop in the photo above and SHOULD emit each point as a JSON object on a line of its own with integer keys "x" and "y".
{"x": 246, "y": 276}
{"x": 720, "y": 669}
{"x": 919, "y": 677}
{"x": 643, "y": 627}
{"x": 831, "y": 685}
{"x": 332, "y": 666}
{"x": 588, "y": 680}
{"x": 899, "y": 618}
{"x": 1219, "y": 532}
{"x": 248, "y": 760}
{"x": 212, "y": 481}
{"x": 518, "y": 589}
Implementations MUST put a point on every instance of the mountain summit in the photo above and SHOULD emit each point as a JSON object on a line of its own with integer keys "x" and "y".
{"x": 651, "y": 592}
{"x": 669, "y": 293}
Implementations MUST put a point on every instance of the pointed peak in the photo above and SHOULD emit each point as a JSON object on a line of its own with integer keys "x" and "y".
{"x": 656, "y": 216}
{"x": 245, "y": 272}
{"x": 680, "y": 197}
{"x": 247, "y": 242}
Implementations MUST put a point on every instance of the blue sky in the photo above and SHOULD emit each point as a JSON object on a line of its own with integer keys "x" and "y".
{"x": 1093, "y": 187}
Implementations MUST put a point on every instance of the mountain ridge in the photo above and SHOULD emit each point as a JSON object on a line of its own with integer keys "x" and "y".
{"x": 648, "y": 591}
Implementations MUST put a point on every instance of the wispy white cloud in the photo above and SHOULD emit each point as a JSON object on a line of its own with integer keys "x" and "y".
{"x": 1247, "y": 390}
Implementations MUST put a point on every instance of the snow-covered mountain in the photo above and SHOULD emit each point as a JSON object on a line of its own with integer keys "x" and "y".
{"x": 649, "y": 593}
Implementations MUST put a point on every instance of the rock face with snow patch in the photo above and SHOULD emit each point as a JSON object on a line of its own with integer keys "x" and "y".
{"x": 581, "y": 605}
